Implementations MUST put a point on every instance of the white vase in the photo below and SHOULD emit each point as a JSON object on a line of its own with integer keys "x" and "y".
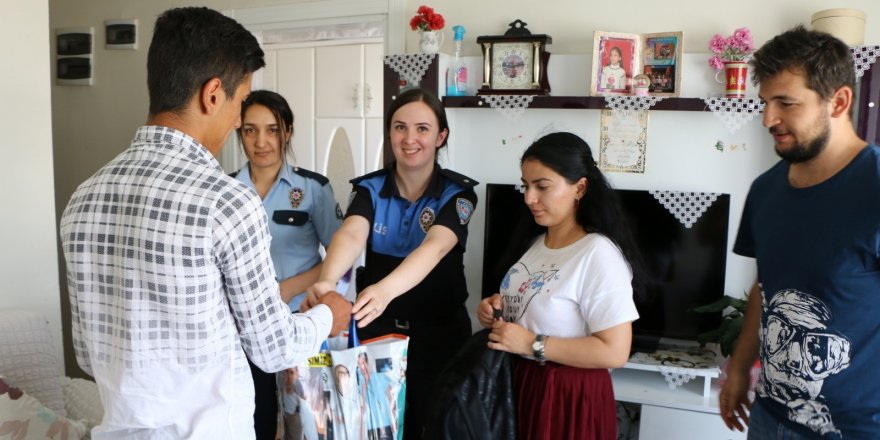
{"x": 430, "y": 41}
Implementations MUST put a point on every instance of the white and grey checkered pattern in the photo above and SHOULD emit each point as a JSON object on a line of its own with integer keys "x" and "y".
{"x": 169, "y": 269}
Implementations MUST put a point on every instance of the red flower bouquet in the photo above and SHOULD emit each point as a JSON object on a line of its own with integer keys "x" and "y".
{"x": 427, "y": 20}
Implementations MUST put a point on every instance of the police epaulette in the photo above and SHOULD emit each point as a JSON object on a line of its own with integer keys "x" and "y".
{"x": 379, "y": 172}
{"x": 322, "y": 179}
{"x": 460, "y": 179}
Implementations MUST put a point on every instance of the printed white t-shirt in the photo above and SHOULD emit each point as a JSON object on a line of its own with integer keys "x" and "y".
{"x": 570, "y": 292}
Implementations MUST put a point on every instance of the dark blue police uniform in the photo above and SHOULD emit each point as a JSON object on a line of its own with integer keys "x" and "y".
{"x": 432, "y": 313}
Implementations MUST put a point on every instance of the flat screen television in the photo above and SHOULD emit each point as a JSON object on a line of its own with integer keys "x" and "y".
{"x": 683, "y": 267}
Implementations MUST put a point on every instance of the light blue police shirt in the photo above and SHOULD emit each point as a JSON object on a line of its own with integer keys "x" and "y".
{"x": 303, "y": 214}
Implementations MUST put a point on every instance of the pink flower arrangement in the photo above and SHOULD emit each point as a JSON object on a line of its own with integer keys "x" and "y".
{"x": 736, "y": 47}
{"x": 427, "y": 20}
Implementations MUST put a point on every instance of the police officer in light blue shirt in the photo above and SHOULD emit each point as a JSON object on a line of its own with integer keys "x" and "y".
{"x": 302, "y": 212}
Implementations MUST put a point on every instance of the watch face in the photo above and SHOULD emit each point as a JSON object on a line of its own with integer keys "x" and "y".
{"x": 512, "y": 65}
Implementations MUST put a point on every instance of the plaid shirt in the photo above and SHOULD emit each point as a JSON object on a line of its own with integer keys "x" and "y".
{"x": 170, "y": 277}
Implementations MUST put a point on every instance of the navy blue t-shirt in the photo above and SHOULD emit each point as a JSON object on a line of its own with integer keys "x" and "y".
{"x": 817, "y": 254}
{"x": 398, "y": 226}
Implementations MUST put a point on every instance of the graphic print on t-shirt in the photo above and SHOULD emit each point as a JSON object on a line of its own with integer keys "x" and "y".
{"x": 528, "y": 284}
{"x": 799, "y": 353}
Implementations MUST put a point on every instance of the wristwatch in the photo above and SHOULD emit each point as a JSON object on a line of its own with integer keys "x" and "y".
{"x": 538, "y": 348}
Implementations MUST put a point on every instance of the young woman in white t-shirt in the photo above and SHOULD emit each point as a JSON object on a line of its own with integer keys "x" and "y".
{"x": 567, "y": 302}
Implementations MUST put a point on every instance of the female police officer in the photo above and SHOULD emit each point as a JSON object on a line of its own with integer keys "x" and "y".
{"x": 412, "y": 217}
{"x": 303, "y": 215}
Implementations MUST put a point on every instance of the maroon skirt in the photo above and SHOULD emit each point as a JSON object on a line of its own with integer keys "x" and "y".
{"x": 557, "y": 402}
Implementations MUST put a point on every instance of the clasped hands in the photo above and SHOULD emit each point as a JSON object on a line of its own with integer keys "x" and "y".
{"x": 370, "y": 304}
{"x": 505, "y": 336}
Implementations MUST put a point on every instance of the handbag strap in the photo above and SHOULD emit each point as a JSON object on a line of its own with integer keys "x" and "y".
{"x": 353, "y": 340}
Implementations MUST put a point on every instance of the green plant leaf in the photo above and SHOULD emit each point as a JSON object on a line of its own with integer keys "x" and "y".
{"x": 730, "y": 329}
{"x": 727, "y": 333}
{"x": 709, "y": 336}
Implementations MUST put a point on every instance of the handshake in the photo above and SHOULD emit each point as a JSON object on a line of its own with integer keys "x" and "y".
{"x": 339, "y": 307}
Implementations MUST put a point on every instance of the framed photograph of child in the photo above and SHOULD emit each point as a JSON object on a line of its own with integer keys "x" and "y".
{"x": 615, "y": 62}
{"x": 618, "y": 57}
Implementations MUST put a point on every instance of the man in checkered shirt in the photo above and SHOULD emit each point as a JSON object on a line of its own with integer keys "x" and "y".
{"x": 168, "y": 263}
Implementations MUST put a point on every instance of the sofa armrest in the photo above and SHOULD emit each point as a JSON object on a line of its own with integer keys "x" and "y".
{"x": 82, "y": 401}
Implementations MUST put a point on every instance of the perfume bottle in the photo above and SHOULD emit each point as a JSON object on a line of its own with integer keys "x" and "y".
{"x": 456, "y": 75}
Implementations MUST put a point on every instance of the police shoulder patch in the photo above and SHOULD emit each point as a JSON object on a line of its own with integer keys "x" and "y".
{"x": 464, "y": 208}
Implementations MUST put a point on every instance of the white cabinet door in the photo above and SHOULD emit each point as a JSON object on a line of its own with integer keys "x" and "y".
{"x": 339, "y": 86}
{"x": 340, "y": 153}
{"x": 373, "y": 80}
{"x": 661, "y": 423}
{"x": 373, "y": 144}
{"x": 331, "y": 88}
{"x": 349, "y": 81}
{"x": 330, "y": 131}
{"x": 295, "y": 79}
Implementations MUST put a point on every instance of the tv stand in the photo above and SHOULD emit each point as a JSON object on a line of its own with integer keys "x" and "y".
{"x": 679, "y": 396}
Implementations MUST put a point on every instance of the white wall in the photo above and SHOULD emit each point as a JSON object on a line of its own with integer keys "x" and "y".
{"x": 92, "y": 124}
{"x": 28, "y": 257}
{"x": 571, "y": 22}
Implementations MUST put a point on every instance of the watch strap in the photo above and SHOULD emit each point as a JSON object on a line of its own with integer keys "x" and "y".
{"x": 538, "y": 348}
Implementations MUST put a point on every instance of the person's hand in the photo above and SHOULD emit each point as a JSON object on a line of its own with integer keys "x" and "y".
{"x": 341, "y": 309}
{"x": 314, "y": 294}
{"x": 371, "y": 303}
{"x": 511, "y": 337}
{"x": 486, "y": 310}
{"x": 733, "y": 401}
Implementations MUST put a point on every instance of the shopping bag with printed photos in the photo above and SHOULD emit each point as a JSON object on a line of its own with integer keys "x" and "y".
{"x": 308, "y": 396}
{"x": 371, "y": 388}
{"x": 307, "y": 393}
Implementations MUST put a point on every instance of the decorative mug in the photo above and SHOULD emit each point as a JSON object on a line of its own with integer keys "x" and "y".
{"x": 431, "y": 41}
{"x": 736, "y": 74}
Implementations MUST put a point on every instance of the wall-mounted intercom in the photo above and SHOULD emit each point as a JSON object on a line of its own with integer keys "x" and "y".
{"x": 74, "y": 48}
{"x": 120, "y": 34}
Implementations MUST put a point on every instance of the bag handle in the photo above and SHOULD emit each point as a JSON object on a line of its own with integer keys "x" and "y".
{"x": 353, "y": 340}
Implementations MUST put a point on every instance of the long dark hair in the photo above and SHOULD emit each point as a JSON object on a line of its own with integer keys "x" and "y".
{"x": 599, "y": 209}
{"x": 280, "y": 110}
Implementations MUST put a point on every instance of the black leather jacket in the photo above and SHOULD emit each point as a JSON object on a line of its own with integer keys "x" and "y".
{"x": 474, "y": 395}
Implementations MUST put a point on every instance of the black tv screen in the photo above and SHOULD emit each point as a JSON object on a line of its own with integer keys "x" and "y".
{"x": 683, "y": 267}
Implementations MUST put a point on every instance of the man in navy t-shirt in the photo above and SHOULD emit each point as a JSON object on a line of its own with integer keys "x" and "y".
{"x": 812, "y": 222}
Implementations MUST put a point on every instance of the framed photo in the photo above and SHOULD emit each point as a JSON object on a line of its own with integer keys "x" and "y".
{"x": 661, "y": 61}
{"x": 618, "y": 57}
{"x": 515, "y": 63}
{"x": 615, "y": 62}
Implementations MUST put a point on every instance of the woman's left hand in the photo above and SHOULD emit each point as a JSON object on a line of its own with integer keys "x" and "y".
{"x": 511, "y": 337}
{"x": 370, "y": 304}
